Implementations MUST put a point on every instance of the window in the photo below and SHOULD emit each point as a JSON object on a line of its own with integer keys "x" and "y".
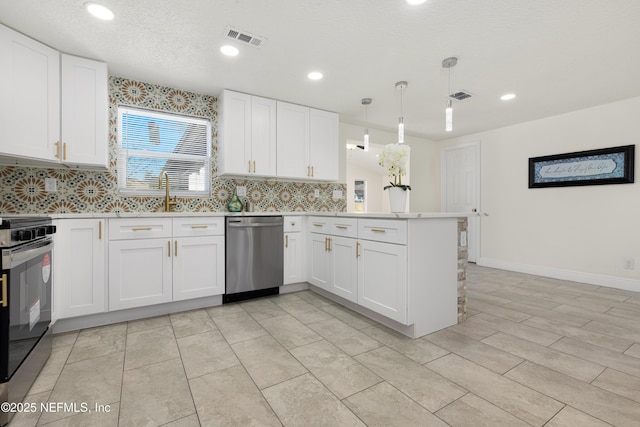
{"x": 152, "y": 142}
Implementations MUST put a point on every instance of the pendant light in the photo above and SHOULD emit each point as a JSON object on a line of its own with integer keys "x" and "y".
{"x": 448, "y": 112}
{"x": 366, "y": 102}
{"x": 401, "y": 85}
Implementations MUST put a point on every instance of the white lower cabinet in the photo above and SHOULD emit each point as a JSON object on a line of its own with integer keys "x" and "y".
{"x": 79, "y": 274}
{"x": 342, "y": 251}
{"x": 382, "y": 278}
{"x": 319, "y": 261}
{"x": 293, "y": 255}
{"x": 154, "y": 261}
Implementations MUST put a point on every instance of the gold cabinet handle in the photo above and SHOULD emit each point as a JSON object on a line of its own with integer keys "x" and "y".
{"x": 308, "y": 170}
{"x": 317, "y": 224}
{"x": 57, "y": 149}
{"x": 357, "y": 249}
{"x": 293, "y": 224}
{"x": 326, "y": 244}
{"x": 199, "y": 226}
{"x": 169, "y": 248}
{"x": 141, "y": 229}
{"x": 64, "y": 151}
{"x": 254, "y": 166}
{"x": 378, "y": 230}
{"x": 175, "y": 248}
{"x": 311, "y": 171}
{"x": 4, "y": 291}
{"x": 329, "y": 243}
{"x": 342, "y": 227}
{"x": 286, "y": 240}
{"x": 99, "y": 230}
{"x": 249, "y": 166}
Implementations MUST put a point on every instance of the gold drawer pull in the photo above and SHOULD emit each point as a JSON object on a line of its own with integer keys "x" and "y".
{"x": 318, "y": 224}
{"x": 342, "y": 227}
{"x": 199, "y": 226}
{"x": 175, "y": 249}
{"x": 168, "y": 248}
{"x": 141, "y": 229}
{"x": 286, "y": 241}
{"x": 64, "y": 151}
{"x": 378, "y": 230}
{"x": 357, "y": 249}
{"x": 99, "y": 230}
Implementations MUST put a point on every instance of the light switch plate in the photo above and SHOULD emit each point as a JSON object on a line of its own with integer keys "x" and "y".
{"x": 316, "y": 193}
{"x": 463, "y": 238}
{"x": 337, "y": 194}
{"x": 50, "y": 184}
{"x": 241, "y": 190}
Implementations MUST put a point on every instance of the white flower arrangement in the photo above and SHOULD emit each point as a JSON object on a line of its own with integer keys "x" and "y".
{"x": 394, "y": 159}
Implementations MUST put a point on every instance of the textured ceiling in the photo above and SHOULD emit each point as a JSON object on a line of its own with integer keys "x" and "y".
{"x": 557, "y": 56}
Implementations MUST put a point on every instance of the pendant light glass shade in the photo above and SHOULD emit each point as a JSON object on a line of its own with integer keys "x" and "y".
{"x": 448, "y": 117}
{"x": 401, "y": 85}
{"x": 366, "y": 140}
{"x": 366, "y": 102}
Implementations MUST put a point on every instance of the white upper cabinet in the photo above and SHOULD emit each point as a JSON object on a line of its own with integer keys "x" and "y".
{"x": 247, "y": 137}
{"x": 54, "y": 108}
{"x": 85, "y": 114}
{"x": 30, "y": 101}
{"x": 307, "y": 143}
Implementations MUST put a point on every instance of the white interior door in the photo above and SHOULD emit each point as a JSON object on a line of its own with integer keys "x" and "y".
{"x": 460, "y": 187}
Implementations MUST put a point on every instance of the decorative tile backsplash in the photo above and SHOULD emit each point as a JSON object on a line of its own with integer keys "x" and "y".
{"x": 23, "y": 189}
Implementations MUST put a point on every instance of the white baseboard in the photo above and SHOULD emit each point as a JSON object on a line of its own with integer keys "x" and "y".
{"x": 558, "y": 273}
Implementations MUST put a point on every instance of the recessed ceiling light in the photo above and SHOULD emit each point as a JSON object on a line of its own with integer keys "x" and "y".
{"x": 508, "y": 96}
{"x": 416, "y": 2}
{"x": 99, "y": 11}
{"x": 229, "y": 50}
{"x": 314, "y": 75}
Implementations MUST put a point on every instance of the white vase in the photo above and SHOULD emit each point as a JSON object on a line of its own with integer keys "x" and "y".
{"x": 397, "y": 199}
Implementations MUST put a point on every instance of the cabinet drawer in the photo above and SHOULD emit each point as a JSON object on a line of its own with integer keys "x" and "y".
{"x": 383, "y": 230}
{"x": 139, "y": 228}
{"x": 319, "y": 224}
{"x": 347, "y": 227}
{"x": 292, "y": 224}
{"x": 201, "y": 226}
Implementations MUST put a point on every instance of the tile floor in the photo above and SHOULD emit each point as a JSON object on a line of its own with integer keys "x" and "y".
{"x": 534, "y": 351}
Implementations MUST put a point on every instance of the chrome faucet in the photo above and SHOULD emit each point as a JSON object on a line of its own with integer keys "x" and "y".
{"x": 167, "y": 200}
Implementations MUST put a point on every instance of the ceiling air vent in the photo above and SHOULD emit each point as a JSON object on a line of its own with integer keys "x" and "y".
{"x": 460, "y": 95}
{"x": 245, "y": 37}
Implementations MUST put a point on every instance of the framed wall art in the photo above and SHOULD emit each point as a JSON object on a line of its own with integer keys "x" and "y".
{"x": 613, "y": 165}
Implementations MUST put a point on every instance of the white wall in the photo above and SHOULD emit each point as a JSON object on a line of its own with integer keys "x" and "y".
{"x": 579, "y": 233}
{"x": 423, "y": 164}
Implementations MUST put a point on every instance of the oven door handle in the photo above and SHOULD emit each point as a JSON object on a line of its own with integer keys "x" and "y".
{"x": 13, "y": 258}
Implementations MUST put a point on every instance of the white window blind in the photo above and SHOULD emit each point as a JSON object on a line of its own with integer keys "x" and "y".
{"x": 151, "y": 142}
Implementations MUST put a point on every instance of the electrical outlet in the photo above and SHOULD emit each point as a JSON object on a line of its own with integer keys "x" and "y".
{"x": 316, "y": 193}
{"x": 629, "y": 264}
{"x": 50, "y": 184}
{"x": 337, "y": 194}
{"x": 241, "y": 190}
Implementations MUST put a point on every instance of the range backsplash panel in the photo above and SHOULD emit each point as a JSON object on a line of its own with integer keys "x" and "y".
{"x": 78, "y": 191}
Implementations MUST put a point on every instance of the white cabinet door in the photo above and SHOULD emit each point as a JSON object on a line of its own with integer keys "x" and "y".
{"x": 382, "y": 279}
{"x": 85, "y": 120}
{"x": 80, "y": 285}
{"x": 344, "y": 281}
{"x": 319, "y": 261}
{"x": 234, "y": 139}
{"x": 198, "y": 267}
{"x": 30, "y": 101}
{"x": 293, "y": 251}
{"x": 293, "y": 141}
{"x": 263, "y": 136}
{"x": 323, "y": 145}
{"x": 139, "y": 272}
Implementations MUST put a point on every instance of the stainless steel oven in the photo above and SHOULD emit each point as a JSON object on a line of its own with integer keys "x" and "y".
{"x": 26, "y": 248}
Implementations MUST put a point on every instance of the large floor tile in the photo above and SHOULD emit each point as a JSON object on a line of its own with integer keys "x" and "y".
{"x": 592, "y": 400}
{"x": 94, "y": 381}
{"x": 339, "y": 372}
{"x": 190, "y": 421}
{"x": 262, "y": 309}
{"x": 426, "y": 387}
{"x": 205, "y": 353}
{"x": 520, "y": 330}
{"x": 550, "y": 357}
{"x": 51, "y": 370}
{"x": 343, "y": 336}
{"x": 224, "y": 310}
{"x": 472, "y": 329}
{"x": 289, "y": 331}
{"x": 230, "y": 398}
{"x": 384, "y": 406}
{"x": 106, "y": 417}
{"x": 613, "y": 331}
{"x": 421, "y": 351}
{"x": 314, "y": 299}
{"x": 619, "y": 383}
{"x": 30, "y": 419}
{"x": 470, "y": 410}
{"x": 150, "y": 346}
{"x": 522, "y": 402}
{"x": 155, "y": 394}
{"x": 304, "y": 401}
{"x": 303, "y": 311}
{"x": 347, "y": 316}
{"x": 500, "y": 311}
{"x": 624, "y": 322}
{"x": 634, "y": 351}
{"x": 476, "y": 351}
{"x": 620, "y": 362}
{"x": 65, "y": 339}
{"x": 148, "y": 323}
{"x": 99, "y": 342}
{"x": 547, "y": 314}
{"x": 191, "y": 323}
{"x": 570, "y": 417}
{"x": 267, "y": 361}
{"x": 239, "y": 326}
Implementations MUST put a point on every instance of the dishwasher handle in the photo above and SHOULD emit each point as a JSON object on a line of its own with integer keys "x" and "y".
{"x": 240, "y": 224}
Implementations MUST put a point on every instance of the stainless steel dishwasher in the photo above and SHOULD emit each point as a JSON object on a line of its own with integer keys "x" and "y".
{"x": 254, "y": 257}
